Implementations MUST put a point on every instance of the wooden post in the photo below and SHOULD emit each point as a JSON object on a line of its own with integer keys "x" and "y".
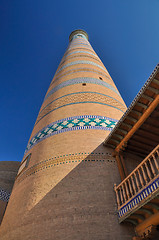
{"x": 121, "y": 172}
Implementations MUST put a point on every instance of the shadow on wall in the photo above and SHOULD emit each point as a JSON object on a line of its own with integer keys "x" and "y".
{"x": 81, "y": 206}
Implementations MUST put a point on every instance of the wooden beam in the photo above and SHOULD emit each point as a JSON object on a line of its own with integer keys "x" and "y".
{"x": 150, "y": 128}
{"x": 138, "y": 150}
{"x": 143, "y": 139}
{"x": 123, "y": 131}
{"x": 136, "y": 112}
{"x": 153, "y": 205}
{"x": 110, "y": 145}
{"x": 156, "y": 81}
{"x": 153, "y": 90}
{"x": 142, "y": 119}
{"x": 118, "y": 136}
{"x": 120, "y": 168}
{"x": 138, "y": 216}
{"x": 124, "y": 166}
{"x": 114, "y": 140}
{"x": 131, "y": 119}
{"x": 126, "y": 125}
{"x": 133, "y": 142}
{"x": 141, "y": 105}
{"x": 133, "y": 221}
{"x": 147, "y": 97}
{"x": 143, "y": 155}
{"x": 147, "y": 134}
{"x": 145, "y": 210}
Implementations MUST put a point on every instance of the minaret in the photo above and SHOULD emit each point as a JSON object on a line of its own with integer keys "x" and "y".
{"x": 64, "y": 187}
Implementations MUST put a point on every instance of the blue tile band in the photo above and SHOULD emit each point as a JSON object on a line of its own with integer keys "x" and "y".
{"x": 81, "y": 80}
{"x": 71, "y": 124}
{"x": 81, "y": 62}
{"x": 139, "y": 197}
{"x": 4, "y": 195}
{"x": 80, "y": 56}
{"x": 80, "y": 70}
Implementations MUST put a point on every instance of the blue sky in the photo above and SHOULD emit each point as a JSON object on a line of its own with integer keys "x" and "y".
{"x": 34, "y": 36}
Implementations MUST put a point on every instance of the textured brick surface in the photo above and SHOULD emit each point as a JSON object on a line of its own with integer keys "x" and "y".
{"x": 8, "y": 172}
{"x": 66, "y": 192}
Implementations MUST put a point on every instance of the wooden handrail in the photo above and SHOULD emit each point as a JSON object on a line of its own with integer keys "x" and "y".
{"x": 135, "y": 181}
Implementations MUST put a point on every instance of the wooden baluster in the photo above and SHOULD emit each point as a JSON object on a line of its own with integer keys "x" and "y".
{"x": 124, "y": 194}
{"x": 134, "y": 187}
{"x": 117, "y": 196}
{"x": 148, "y": 171}
{"x": 121, "y": 195}
{"x": 131, "y": 190}
{"x": 127, "y": 190}
{"x": 140, "y": 177}
{"x": 152, "y": 167}
{"x": 144, "y": 175}
{"x": 137, "y": 182}
{"x": 155, "y": 161}
{"x": 157, "y": 152}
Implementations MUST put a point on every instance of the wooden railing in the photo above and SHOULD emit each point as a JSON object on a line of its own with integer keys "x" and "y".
{"x": 141, "y": 176}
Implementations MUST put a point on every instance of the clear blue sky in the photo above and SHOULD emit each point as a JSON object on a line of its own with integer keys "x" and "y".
{"x": 34, "y": 36}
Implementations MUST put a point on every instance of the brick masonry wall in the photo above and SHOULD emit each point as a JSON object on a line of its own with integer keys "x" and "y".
{"x": 8, "y": 172}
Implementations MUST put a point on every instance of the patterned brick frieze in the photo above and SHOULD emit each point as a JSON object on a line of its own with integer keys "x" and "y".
{"x": 81, "y": 80}
{"x": 81, "y": 62}
{"x": 66, "y": 159}
{"x": 80, "y": 98}
{"x": 72, "y": 124}
{"x": 4, "y": 195}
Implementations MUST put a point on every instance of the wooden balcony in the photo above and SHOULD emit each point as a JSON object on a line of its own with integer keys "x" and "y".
{"x": 138, "y": 194}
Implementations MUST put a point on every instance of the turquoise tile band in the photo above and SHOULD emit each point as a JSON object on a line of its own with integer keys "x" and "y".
{"x": 72, "y": 124}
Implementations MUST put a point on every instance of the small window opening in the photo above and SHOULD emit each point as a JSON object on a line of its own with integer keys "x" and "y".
{"x": 83, "y": 84}
{"x": 100, "y": 78}
{"x": 24, "y": 164}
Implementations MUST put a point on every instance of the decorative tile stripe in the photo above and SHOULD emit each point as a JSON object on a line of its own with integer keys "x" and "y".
{"x": 71, "y": 124}
{"x": 79, "y": 70}
{"x": 65, "y": 159}
{"x": 81, "y": 80}
{"x": 81, "y": 62}
{"x": 139, "y": 197}
{"x": 4, "y": 195}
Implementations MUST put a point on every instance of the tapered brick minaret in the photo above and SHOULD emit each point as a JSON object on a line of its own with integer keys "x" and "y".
{"x": 64, "y": 187}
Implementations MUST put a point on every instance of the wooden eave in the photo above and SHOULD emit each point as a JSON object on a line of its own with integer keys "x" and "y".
{"x": 138, "y": 129}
